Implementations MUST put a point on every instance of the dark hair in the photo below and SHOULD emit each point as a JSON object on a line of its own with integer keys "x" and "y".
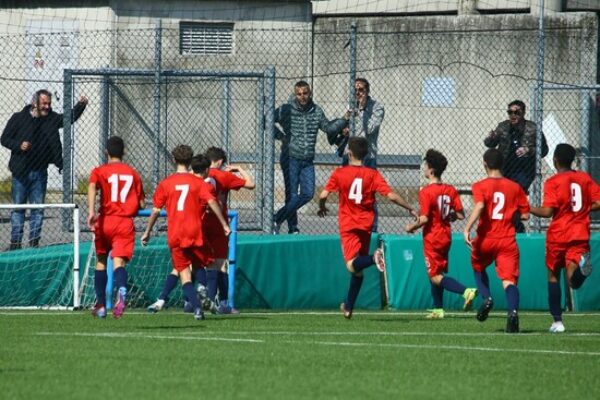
{"x": 216, "y": 154}
{"x": 115, "y": 147}
{"x": 359, "y": 147}
{"x": 200, "y": 163}
{"x": 565, "y": 154}
{"x": 42, "y": 92}
{"x": 436, "y": 161}
{"x": 302, "y": 84}
{"x": 183, "y": 154}
{"x": 493, "y": 158}
{"x": 519, "y": 104}
{"x": 365, "y": 82}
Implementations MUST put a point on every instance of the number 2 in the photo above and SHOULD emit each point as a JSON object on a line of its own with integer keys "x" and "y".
{"x": 356, "y": 191}
{"x": 115, "y": 195}
{"x": 184, "y": 189}
{"x": 499, "y": 200}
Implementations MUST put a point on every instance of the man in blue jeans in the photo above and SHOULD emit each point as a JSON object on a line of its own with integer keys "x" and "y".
{"x": 32, "y": 137}
{"x": 300, "y": 120}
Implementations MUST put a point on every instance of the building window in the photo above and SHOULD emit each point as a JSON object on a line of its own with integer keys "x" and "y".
{"x": 205, "y": 38}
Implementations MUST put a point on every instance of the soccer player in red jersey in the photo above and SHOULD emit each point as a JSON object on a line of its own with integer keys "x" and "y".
{"x": 569, "y": 196}
{"x": 357, "y": 185}
{"x": 121, "y": 196}
{"x": 185, "y": 198}
{"x": 439, "y": 204}
{"x": 497, "y": 199}
{"x": 224, "y": 179}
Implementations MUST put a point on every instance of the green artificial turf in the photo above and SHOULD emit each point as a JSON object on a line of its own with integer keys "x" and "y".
{"x": 70, "y": 355}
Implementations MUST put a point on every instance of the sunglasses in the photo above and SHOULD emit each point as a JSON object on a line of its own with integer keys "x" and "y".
{"x": 514, "y": 112}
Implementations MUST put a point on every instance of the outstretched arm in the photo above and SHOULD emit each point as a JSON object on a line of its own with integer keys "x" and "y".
{"x": 216, "y": 209}
{"x": 542, "y": 212}
{"x": 322, "y": 200}
{"x": 395, "y": 198}
{"x": 151, "y": 221}
{"x": 92, "y": 217}
{"x": 475, "y": 214}
{"x": 245, "y": 175}
{"x": 413, "y": 226}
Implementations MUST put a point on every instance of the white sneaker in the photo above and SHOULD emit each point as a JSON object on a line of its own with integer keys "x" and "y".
{"x": 557, "y": 327}
{"x": 156, "y": 306}
{"x": 379, "y": 260}
{"x": 585, "y": 264}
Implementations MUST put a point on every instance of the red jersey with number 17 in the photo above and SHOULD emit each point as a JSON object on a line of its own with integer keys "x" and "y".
{"x": 570, "y": 194}
{"x": 436, "y": 202}
{"x": 357, "y": 186}
{"x": 120, "y": 188}
{"x": 185, "y": 198}
{"x": 502, "y": 198}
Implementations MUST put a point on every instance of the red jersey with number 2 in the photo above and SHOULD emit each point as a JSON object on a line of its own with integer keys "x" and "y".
{"x": 357, "y": 186}
{"x": 502, "y": 198}
{"x": 120, "y": 189}
{"x": 570, "y": 194}
{"x": 185, "y": 198}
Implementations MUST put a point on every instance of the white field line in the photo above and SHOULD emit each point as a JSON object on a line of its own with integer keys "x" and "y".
{"x": 461, "y": 348}
{"x": 141, "y": 336}
{"x": 455, "y": 334}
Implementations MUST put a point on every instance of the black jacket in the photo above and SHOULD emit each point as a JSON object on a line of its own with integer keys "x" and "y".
{"x": 43, "y": 135}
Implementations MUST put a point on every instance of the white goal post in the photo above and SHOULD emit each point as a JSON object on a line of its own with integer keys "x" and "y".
{"x": 45, "y": 276}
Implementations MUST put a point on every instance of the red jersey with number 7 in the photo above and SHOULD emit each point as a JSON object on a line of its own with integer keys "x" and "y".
{"x": 570, "y": 194}
{"x": 502, "y": 198}
{"x": 120, "y": 188}
{"x": 185, "y": 197}
{"x": 436, "y": 202}
{"x": 357, "y": 186}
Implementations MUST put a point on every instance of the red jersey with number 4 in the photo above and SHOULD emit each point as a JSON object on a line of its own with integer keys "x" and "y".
{"x": 120, "y": 189}
{"x": 357, "y": 186}
{"x": 436, "y": 202}
{"x": 502, "y": 198}
{"x": 570, "y": 194}
{"x": 185, "y": 198}
{"x": 223, "y": 182}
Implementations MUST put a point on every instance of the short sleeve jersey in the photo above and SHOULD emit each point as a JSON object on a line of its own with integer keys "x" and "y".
{"x": 120, "y": 188}
{"x": 436, "y": 202}
{"x": 570, "y": 194}
{"x": 357, "y": 186}
{"x": 502, "y": 198}
{"x": 185, "y": 197}
{"x": 223, "y": 182}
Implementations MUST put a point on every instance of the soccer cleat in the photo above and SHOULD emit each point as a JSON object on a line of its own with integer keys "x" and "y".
{"x": 199, "y": 314}
{"x": 276, "y": 228}
{"x": 484, "y": 309}
{"x": 557, "y": 327}
{"x": 187, "y": 307}
{"x": 223, "y": 308}
{"x": 512, "y": 322}
{"x": 119, "y": 308}
{"x": 436, "y": 313}
{"x": 156, "y": 306}
{"x": 347, "y": 313}
{"x": 585, "y": 264}
{"x": 99, "y": 311}
{"x": 469, "y": 295}
{"x": 294, "y": 232}
{"x": 379, "y": 260}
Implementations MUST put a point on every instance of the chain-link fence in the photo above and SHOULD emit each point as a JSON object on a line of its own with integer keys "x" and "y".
{"x": 445, "y": 83}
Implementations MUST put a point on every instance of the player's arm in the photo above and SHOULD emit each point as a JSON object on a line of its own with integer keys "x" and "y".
{"x": 151, "y": 221}
{"x": 397, "y": 199}
{"x": 322, "y": 200}
{"x": 457, "y": 215}
{"x": 413, "y": 226}
{"x": 92, "y": 217}
{"x": 244, "y": 174}
{"x": 596, "y": 205}
{"x": 475, "y": 214}
{"x": 216, "y": 209}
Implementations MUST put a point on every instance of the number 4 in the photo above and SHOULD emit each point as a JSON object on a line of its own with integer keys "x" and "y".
{"x": 356, "y": 191}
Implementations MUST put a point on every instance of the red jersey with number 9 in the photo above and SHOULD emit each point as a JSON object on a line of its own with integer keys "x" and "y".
{"x": 357, "y": 186}
{"x": 436, "y": 202}
{"x": 120, "y": 189}
{"x": 570, "y": 194}
{"x": 502, "y": 198}
{"x": 185, "y": 198}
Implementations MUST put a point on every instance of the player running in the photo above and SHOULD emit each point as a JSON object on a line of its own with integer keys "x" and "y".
{"x": 357, "y": 185}
{"x": 439, "y": 204}
{"x": 497, "y": 200}
{"x": 569, "y": 196}
{"x": 121, "y": 196}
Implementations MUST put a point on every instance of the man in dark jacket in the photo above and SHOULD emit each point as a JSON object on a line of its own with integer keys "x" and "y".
{"x": 32, "y": 137}
{"x": 300, "y": 120}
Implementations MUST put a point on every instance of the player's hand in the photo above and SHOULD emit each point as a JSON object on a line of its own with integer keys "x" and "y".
{"x": 227, "y": 230}
{"x": 452, "y": 216}
{"x": 145, "y": 238}
{"x": 414, "y": 214}
{"x": 91, "y": 221}
{"x": 411, "y": 228}
{"x": 232, "y": 168}
{"x": 468, "y": 240}
{"x": 25, "y": 146}
{"x": 83, "y": 100}
{"x": 345, "y": 131}
{"x": 322, "y": 212}
{"x": 521, "y": 151}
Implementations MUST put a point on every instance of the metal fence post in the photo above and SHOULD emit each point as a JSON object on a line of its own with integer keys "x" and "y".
{"x": 536, "y": 195}
{"x": 586, "y": 110}
{"x": 269, "y": 168}
{"x": 68, "y": 146}
{"x": 225, "y": 122}
{"x": 157, "y": 81}
{"x": 352, "y": 94}
{"x": 104, "y": 117}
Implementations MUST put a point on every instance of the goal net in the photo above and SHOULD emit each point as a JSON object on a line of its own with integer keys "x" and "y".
{"x": 39, "y": 274}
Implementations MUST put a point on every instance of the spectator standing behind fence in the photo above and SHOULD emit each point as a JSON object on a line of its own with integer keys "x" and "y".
{"x": 300, "y": 120}
{"x": 368, "y": 116}
{"x": 33, "y": 139}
